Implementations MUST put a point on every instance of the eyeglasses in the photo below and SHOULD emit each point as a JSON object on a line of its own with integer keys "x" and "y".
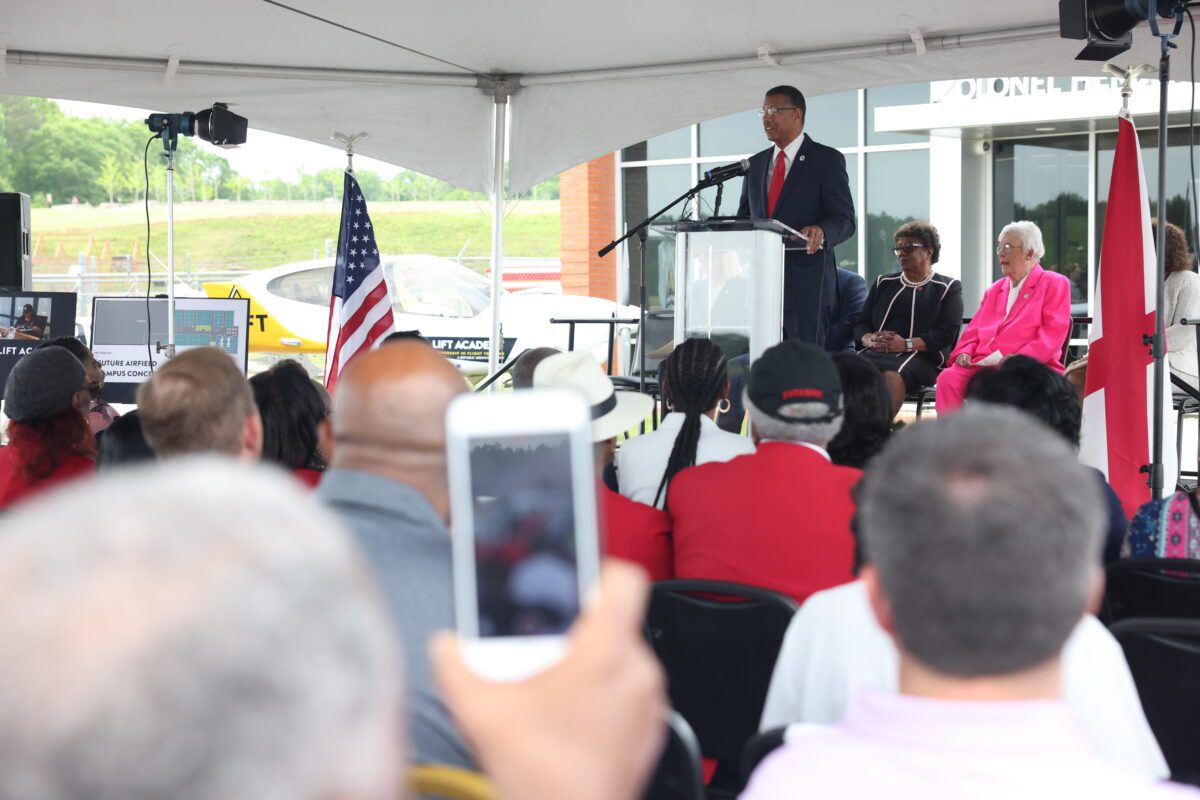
{"x": 907, "y": 247}
{"x": 1006, "y": 248}
{"x": 774, "y": 111}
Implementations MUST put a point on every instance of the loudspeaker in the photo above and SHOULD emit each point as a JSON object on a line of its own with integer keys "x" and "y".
{"x": 16, "y": 262}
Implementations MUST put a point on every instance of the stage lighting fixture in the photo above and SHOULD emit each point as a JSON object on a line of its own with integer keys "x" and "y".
{"x": 217, "y": 125}
{"x": 1107, "y": 25}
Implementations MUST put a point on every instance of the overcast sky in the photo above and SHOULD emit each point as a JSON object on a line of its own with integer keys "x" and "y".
{"x": 264, "y": 156}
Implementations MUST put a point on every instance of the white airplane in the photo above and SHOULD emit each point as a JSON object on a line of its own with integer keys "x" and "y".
{"x": 448, "y": 303}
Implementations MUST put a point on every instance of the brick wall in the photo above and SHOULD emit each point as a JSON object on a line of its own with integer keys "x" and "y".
{"x": 588, "y": 218}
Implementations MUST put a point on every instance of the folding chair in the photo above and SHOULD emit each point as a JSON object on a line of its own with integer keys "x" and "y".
{"x": 1152, "y": 587}
{"x": 678, "y": 775}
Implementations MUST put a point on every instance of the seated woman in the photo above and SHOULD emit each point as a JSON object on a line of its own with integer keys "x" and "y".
{"x": 695, "y": 388}
{"x": 296, "y": 431}
{"x": 49, "y": 441}
{"x": 1027, "y": 312}
{"x": 912, "y": 316}
{"x": 1165, "y": 528}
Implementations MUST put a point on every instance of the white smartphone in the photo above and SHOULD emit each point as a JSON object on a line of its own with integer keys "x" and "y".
{"x": 523, "y": 522}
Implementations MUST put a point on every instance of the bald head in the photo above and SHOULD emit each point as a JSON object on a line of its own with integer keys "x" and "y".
{"x": 389, "y": 416}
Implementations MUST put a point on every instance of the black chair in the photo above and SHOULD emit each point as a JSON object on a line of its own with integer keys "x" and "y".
{"x": 1164, "y": 657}
{"x": 678, "y": 775}
{"x": 718, "y": 643}
{"x": 759, "y": 747}
{"x": 1152, "y": 587}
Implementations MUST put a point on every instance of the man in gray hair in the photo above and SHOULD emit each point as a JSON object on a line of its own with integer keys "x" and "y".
{"x": 778, "y": 518}
{"x": 217, "y": 639}
{"x": 983, "y": 533}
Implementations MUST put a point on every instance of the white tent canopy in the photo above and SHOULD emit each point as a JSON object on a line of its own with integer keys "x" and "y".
{"x": 588, "y": 79}
{"x": 580, "y": 80}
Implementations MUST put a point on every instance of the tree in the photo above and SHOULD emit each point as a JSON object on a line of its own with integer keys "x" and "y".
{"x": 111, "y": 177}
{"x": 238, "y": 184}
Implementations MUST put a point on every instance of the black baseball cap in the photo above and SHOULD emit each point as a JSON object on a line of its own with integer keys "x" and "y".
{"x": 793, "y": 374}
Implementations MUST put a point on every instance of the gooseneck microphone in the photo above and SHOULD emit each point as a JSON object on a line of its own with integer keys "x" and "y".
{"x": 721, "y": 174}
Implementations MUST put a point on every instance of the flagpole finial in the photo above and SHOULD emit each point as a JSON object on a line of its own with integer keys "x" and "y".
{"x": 348, "y": 141}
{"x": 1128, "y": 75}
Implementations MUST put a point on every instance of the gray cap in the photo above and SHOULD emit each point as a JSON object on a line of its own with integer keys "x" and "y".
{"x": 42, "y": 384}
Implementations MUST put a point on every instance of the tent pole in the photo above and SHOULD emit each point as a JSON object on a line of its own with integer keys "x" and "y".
{"x": 501, "y": 105}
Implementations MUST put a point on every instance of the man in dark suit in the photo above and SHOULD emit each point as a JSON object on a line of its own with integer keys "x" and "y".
{"x": 804, "y": 185}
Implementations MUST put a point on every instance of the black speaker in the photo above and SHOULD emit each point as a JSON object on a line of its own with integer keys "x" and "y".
{"x": 16, "y": 262}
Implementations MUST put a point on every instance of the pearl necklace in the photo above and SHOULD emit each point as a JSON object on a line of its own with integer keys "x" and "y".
{"x": 915, "y": 284}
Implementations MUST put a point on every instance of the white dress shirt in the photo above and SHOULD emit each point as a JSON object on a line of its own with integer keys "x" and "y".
{"x": 790, "y": 157}
{"x": 642, "y": 460}
{"x": 834, "y": 648}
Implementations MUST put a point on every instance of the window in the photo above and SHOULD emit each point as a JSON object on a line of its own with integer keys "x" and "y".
{"x": 832, "y": 119}
{"x": 897, "y": 192}
{"x": 310, "y": 286}
{"x": 732, "y": 135}
{"x": 1045, "y": 181}
{"x": 902, "y": 95}
{"x": 646, "y": 190}
{"x": 436, "y": 288}
{"x": 1180, "y": 209}
{"x": 676, "y": 144}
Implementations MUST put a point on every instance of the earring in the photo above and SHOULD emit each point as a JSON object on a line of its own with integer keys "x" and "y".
{"x": 724, "y": 406}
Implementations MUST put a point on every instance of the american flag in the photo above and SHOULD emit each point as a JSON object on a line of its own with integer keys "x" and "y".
{"x": 360, "y": 311}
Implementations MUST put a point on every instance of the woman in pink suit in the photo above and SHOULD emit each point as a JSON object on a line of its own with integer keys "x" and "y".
{"x": 1027, "y": 312}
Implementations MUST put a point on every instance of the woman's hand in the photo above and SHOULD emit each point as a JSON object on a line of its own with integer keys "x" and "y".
{"x": 963, "y": 360}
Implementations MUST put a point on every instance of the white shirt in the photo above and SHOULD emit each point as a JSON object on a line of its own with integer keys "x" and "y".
{"x": 789, "y": 157}
{"x": 642, "y": 460}
{"x": 1014, "y": 292}
{"x": 834, "y": 648}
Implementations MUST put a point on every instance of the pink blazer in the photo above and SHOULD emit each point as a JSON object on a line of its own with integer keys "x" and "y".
{"x": 1036, "y": 327}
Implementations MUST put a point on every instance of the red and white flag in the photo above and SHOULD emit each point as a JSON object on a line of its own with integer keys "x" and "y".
{"x": 1118, "y": 401}
{"x": 360, "y": 310}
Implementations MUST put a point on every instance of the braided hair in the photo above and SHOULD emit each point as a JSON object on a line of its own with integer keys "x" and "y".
{"x": 693, "y": 378}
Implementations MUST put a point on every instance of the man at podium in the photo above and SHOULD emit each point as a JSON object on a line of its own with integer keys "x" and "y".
{"x": 804, "y": 185}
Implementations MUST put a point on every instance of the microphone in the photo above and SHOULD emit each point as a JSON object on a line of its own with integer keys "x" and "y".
{"x": 722, "y": 174}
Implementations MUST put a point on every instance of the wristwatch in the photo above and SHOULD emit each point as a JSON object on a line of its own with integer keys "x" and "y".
{"x": 908, "y": 345}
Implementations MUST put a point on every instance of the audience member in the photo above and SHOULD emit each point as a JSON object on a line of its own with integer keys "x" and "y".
{"x": 522, "y": 371}
{"x": 99, "y": 413}
{"x": 49, "y": 441}
{"x": 1027, "y": 312}
{"x": 122, "y": 443}
{"x": 695, "y": 388}
{"x": 387, "y": 483}
{"x": 982, "y": 562}
{"x": 1036, "y": 389}
{"x": 404, "y": 336}
{"x": 293, "y": 415}
{"x": 1165, "y": 528}
{"x": 632, "y": 531}
{"x": 588, "y": 728}
{"x": 778, "y": 518}
{"x": 199, "y": 402}
{"x": 910, "y": 321}
{"x": 867, "y": 422}
{"x": 221, "y": 642}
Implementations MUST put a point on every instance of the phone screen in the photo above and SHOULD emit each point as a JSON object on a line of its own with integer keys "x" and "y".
{"x": 526, "y": 570}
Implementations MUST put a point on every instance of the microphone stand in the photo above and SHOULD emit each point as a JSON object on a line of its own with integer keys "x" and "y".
{"x": 641, "y": 230}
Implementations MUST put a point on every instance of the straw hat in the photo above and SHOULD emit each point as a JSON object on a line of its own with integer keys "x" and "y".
{"x": 613, "y": 412}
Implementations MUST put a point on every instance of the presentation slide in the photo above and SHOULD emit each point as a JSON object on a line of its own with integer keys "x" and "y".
{"x": 27, "y": 318}
{"x": 128, "y": 334}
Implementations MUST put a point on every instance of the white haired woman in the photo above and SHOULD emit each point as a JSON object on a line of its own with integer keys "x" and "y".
{"x": 1027, "y": 312}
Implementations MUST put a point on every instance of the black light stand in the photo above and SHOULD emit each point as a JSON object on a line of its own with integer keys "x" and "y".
{"x": 1159, "y": 340}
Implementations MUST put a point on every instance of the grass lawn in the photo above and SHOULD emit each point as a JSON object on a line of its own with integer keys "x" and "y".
{"x": 228, "y": 235}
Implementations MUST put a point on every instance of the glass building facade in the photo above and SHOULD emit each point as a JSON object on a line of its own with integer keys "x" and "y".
{"x": 968, "y": 181}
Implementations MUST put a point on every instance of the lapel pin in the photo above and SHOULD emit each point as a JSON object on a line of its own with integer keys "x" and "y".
{"x": 1026, "y": 296}
{"x": 801, "y": 158}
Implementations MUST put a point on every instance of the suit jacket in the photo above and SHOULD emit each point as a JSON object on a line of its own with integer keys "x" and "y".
{"x": 1036, "y": 327}
{"x": 851, "y": 297}
{"x": 815, "y": 192}
{"x": 636, "y": 532}
{"x": 778, "y": 518}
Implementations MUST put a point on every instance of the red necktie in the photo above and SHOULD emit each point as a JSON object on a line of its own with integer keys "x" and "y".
{"x": 776, "y": 183}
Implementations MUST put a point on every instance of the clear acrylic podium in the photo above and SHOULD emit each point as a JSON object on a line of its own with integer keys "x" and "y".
{"x": 729, "y": 282}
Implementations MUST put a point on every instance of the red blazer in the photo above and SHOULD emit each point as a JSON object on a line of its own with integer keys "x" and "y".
{"x": 1036, "y": 327}
{"x": 636, "y": 532}
{"x": 778, "y": 518}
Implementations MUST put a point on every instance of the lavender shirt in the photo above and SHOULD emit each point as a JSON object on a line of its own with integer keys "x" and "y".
{"x": 897, "y": 746}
